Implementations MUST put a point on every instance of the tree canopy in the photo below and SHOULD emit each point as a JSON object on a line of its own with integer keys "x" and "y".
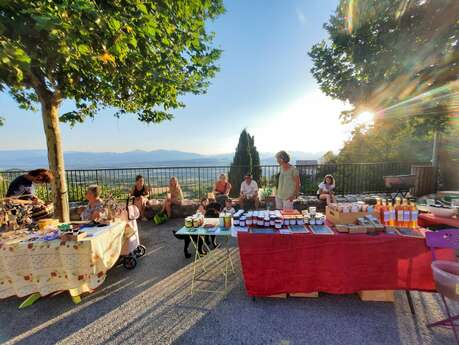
{"x": 246, "y": 161}
{"x": 137, "y": 56}
{"x": 397, "y": 58}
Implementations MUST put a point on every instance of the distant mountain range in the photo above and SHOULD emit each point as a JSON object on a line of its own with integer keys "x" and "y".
{"x": 30, "y": 159}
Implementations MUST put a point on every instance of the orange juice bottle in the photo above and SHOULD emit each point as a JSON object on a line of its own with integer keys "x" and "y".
{"x": 384, "y": 213}
{"x": 398, "y": 212}
{"x": 391, "y": 214}
{"x": 414, "y": 215}
{"x": 406, "y": 214}
{"x": 378, "y": 206}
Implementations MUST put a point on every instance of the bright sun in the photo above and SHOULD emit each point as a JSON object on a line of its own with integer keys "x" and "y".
{"x": 365, "y": 118}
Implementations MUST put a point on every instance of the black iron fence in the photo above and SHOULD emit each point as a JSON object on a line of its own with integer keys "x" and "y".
{"x": 350, "y": 178}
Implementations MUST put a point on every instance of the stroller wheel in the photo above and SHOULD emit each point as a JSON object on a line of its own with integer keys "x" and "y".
{"x": 129, "y": 262}
{"x": 139, "y": 251}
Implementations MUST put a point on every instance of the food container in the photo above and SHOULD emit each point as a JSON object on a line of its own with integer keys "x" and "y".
{"x": 446, "y": 276}
{"x": 442, "y": 212}
{"x": 47, "y": 222}
{"x": 286, "y": 222}
{"x": 188, "y": 222}
{"x": 312, "y": 210}
{"x": 242, "y": 222}
{"x": 227, "y": 220}
{"x": 249, "y": 221}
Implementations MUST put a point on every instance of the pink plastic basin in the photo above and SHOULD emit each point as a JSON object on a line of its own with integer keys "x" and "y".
{"x": 446, "y": 276}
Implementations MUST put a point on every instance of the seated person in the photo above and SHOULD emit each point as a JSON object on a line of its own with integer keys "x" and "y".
{"x": 174, "y": 197}
{"x": 222, "y": 189}
{"x": 326, "y": 188}
{"x": 22, "y": 186}
{"x": 95, "y": 206}
{"x": 249, "y": 192}
{"x": 203, "y": 203}
{"x": 229, "y": 207}
{"x": 140, "y": 192}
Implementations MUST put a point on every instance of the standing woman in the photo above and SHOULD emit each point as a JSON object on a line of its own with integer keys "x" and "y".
{"x": 288, "y": 188}
{"x": 140, "y": 192}
{"x": 326, "y": 189}
{"x": 175, "y": 196}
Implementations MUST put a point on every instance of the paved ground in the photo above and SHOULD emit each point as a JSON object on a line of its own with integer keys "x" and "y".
{"x": 152, "y": 305}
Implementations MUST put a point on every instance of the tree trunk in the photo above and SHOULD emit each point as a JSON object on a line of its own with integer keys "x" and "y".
{"x": 56, "y": 158}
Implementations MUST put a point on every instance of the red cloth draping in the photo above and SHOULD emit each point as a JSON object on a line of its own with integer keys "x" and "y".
{"x": 338, "y": 264}
{"x": 428, "y": 219}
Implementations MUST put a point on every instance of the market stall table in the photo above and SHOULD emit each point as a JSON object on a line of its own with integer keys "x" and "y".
{"x": 40, "y": 268}
{"x": 339, "y": 264}
{"x": 430, "y": 220}
{"x": 225, "y": 262}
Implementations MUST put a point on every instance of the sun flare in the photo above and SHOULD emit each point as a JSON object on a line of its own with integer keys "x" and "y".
{"x": 365, "y": 118}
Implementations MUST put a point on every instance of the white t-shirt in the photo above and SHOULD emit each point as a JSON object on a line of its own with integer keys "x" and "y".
{"x": 325, "y": 187}
{"x": 249, "y": 190}
{"x": 229, "y": 210}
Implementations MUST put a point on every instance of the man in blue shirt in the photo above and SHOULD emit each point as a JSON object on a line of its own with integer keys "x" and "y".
{"x": 22, "y": 186}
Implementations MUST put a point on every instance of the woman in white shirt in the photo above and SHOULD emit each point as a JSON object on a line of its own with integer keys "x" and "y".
{"x": 249, "y": 192}
{"x": 326, "y": 189}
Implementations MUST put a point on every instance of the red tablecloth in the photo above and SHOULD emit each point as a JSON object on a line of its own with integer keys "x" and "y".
{"x": 338, "y": 264}
{"x": 428, "y": 219}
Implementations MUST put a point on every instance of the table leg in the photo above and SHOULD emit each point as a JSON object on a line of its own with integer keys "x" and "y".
{"x": 76, "y": 298}
{"x": 410, "y": 302}
{"x": 30, "y": 300}
{"x": 198, "y": 259}
{"x": 208, "y": 257}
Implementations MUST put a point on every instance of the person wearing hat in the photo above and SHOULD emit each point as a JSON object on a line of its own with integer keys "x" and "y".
{"x": 249, "y": 192}
{"x": 289, "y": 184}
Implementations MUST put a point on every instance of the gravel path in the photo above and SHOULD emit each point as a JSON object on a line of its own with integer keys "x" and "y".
{"x": 152, "y": 305}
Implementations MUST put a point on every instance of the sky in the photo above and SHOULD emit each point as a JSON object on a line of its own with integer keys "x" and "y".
{"x": 264, "y": 85}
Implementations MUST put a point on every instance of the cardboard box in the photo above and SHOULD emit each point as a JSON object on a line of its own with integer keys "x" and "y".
{"x": 307, "y": 295}
{"x": 377, "y": 295}
{"x": 336, "y": 217}
{"x": 281, "y": 295}
{"x": 358, "y": 229}
{"x": 343, "y": 228}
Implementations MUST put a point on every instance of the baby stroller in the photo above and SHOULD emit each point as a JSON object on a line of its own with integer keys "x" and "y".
{"x": 132, "y": 249}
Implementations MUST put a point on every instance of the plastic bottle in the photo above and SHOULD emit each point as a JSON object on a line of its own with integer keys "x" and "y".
{"x": 406, "y": 214}
{"x": 414, "y": 215}
{"x": 391, "y": 214}
{"x": 382, "y": 212}
{"x": 378, "y": 206}
{"x": 398, "y": 212}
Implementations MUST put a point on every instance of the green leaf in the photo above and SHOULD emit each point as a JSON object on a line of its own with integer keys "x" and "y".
{"x": 84, "y": 49}
{"x": 114, "y": 24}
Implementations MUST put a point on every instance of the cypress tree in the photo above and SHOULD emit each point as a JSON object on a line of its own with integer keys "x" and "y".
{"x": 246, "y": 161}
{"x": 256, "y": 169}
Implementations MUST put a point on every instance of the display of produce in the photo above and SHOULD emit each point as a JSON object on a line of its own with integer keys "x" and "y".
{"x": 195, "y": 221}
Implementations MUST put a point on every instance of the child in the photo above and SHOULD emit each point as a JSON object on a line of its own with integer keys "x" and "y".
{"x": 229, "y": 207}
{"x": 203, "y": 203}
